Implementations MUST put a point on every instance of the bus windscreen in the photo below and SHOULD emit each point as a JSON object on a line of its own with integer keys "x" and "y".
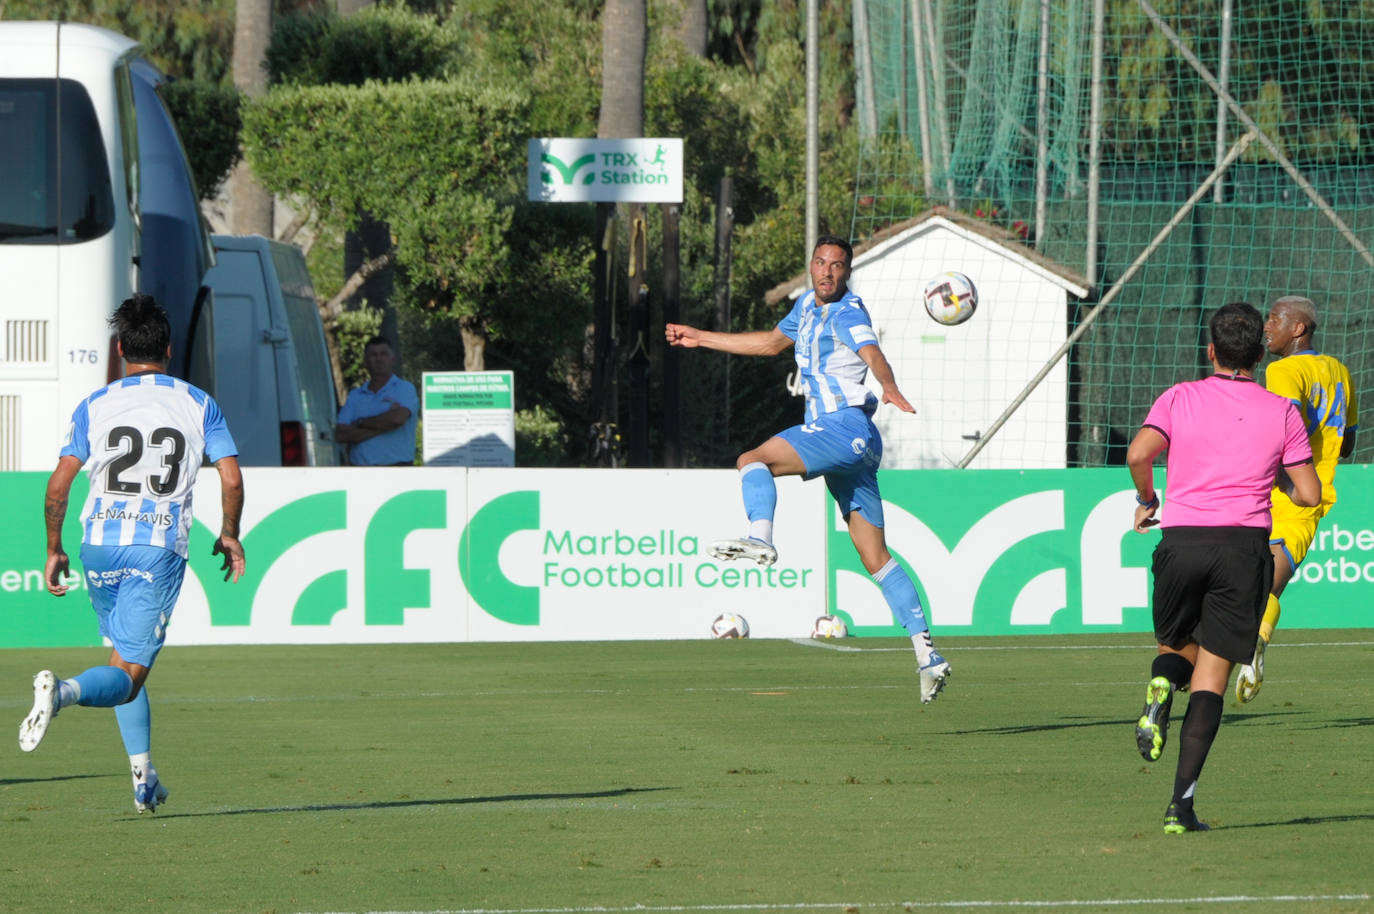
{"x": 56, "y": 186}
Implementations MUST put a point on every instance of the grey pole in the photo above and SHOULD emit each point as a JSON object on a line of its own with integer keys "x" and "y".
{"x": 1095, "y": 141}
{"x": 1042, "y": 126}
{"x": 813, "y": 141}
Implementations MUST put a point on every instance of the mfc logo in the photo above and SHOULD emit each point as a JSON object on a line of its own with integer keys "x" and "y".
{"x": 1020, "y": 559}
{"x": 1026, "y": 559}
{"x": 389, "y": 587}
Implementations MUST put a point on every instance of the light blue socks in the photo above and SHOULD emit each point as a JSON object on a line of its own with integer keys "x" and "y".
{"x": 760, "y": 499}
{"x": 900, "y": 594}
{"x": 136, "y": 724}
{"x": 100, "y": 687}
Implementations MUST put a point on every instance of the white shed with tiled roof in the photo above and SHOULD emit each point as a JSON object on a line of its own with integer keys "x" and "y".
{"x": 961, "y": 379}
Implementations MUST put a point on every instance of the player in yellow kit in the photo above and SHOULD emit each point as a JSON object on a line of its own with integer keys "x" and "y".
{"x": 1320, "y": 387}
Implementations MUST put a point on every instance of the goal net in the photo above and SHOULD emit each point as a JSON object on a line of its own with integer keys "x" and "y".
{"x": 1175, "y": 156}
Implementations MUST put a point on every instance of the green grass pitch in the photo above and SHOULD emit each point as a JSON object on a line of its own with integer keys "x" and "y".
{"x": 690, "y": 776}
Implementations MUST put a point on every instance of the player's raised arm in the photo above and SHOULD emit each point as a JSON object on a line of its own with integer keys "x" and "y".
{"x": 754, "y": 342}
{"x": 882, "y": 373}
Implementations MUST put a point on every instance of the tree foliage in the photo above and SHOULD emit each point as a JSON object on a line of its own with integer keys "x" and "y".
{"x": 185, "y": 40}
{"x": 381, "y": 43}
{"x": 1300, "y": 68}
{"x": 399, "y": 114}
{"x": 207, "y": 116}
{"x": 436, "y": 164}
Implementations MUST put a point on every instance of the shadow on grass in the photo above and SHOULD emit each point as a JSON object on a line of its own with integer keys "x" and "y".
{"x": 1076, "y": 723}
{"x": 1342, "y": 722}
{"x": 1304, "y": 820}
{"x": 6, "y": 782}
{"x": 1243, "y": 717}
{"x": 1068, "y": 723}
{"x": 403, "y": 804}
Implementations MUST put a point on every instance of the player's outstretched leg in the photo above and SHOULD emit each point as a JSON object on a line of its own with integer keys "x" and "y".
{"x": 98, "y": 687}
{"x": 760, "y": 503}
{"x": 35, "y": 725}
{"x": 1152, "y": 729}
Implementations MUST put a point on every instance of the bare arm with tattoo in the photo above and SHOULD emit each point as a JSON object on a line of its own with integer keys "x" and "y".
{"x": 54, "y": 515}
{"x": 231, "y": 501}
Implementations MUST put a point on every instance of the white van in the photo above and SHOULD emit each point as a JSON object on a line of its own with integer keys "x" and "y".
{"x": 92, "y": 176}
{"x": 258, "y": 348}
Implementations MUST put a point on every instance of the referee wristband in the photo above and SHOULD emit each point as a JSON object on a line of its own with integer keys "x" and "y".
{"x": 1152, "y": 503}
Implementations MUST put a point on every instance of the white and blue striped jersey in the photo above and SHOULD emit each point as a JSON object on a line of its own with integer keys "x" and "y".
{"x": 828, "y": 339}
{"x": 142, "y": 439}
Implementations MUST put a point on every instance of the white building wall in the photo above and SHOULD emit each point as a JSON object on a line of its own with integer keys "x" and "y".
{"x": 960, "y": 379}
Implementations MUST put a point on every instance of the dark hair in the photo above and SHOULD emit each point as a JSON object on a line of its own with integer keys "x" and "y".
{"x": 1238, "y": 335}
{"x": 380, "y": 341}
{"x": 143, "y": 329}
{"x": 838, "y": 242}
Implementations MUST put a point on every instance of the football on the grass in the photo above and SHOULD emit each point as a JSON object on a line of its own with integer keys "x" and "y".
{"x": 730, "y": 625}
{"x": 829, "y": 627}
{"x": 951, "y": 298}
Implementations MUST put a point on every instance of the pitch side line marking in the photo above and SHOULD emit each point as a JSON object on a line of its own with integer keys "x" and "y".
{"x": 831, "y": 645}
{"x": 964, "y": 648}
{"x": 907, "y": 905}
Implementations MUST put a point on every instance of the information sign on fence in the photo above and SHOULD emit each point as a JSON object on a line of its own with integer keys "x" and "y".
{"x": 469, "y": 418}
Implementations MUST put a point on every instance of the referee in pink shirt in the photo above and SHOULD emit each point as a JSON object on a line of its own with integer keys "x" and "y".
{"x": 1229, "y": 442}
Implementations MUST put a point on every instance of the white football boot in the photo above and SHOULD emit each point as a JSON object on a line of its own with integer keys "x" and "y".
{"x": 34, "y": 726}
{"x": 748, "y": 548}
{"x": 934, "y": 675}
{"x": 149, "y": 792}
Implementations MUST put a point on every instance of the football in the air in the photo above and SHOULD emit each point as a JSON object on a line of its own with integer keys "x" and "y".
{"x": 829, "y": 627}
{"x": 729, "y": 625}
{"x": 951, "y": 298}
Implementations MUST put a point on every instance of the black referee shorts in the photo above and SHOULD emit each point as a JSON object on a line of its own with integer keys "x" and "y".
{"x": 1211, "y": 587}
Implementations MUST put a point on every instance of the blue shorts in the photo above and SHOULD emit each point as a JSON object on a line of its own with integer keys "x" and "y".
{"x": 133, "y": 590}
{"x": 845, "y": 448}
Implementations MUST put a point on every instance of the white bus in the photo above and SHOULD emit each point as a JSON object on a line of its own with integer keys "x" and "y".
{"x": 96, "y": 202}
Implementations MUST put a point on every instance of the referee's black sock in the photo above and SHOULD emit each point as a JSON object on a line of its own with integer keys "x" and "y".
{"x": 1200, "y": 725}
{"x": 1173, "y": 667}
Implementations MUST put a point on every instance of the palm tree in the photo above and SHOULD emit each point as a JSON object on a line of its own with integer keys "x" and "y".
{"x": 252, "y": 203}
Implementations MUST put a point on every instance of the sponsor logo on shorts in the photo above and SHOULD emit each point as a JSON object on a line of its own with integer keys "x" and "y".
{"x": 859, "y": 446}
{"x": 115, "y": 576}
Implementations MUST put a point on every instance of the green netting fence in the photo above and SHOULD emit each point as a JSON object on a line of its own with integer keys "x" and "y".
{"x": 1093, "y": 124}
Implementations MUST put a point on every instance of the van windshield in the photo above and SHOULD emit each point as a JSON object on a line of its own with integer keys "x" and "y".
{"x": 45, "y": 199}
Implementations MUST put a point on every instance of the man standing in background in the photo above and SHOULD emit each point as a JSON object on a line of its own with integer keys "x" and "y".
{"x": 378, "y": 419}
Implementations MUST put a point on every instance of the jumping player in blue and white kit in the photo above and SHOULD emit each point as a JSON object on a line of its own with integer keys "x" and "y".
{"x": 142, "y": 439}
{"x": 835, "y": 347}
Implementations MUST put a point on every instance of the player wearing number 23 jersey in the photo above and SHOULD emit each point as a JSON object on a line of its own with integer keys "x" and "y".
{"x": 141, "y": 440}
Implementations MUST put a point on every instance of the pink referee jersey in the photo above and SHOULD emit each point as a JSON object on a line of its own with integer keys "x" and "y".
{"x": 1227, "y": 439}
